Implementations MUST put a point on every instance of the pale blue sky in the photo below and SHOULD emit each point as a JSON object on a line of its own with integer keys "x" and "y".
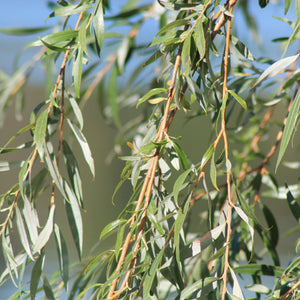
{"x": 33, "y": 13}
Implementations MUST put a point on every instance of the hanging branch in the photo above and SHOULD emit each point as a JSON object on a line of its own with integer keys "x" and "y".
{"x": 227, "y": 161}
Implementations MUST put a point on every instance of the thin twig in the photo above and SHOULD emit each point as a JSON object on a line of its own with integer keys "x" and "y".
{"x": 226, "y": 150}
{"x": 61, "y": 76}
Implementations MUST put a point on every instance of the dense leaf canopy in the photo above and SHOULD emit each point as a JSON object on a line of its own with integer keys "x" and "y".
{"x": 194, "y": 67}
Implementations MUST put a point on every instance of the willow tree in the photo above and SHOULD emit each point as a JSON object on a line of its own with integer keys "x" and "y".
{"x": 192, "y": 66}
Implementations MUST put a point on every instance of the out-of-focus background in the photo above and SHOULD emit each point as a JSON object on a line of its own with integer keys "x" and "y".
{"x": 99, "y": 209}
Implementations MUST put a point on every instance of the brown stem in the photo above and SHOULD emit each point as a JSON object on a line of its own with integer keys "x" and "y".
{"x": 61, "y": 76}
{"x": 226, "y": 149}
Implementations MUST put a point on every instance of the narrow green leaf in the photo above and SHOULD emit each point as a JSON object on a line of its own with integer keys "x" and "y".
{"x": 200, "y": 39}
{"x": 155, "y": 56}
{"x": 112, "y": 94}
{"x": 63, "y": 258}
{"x": 77, "y": 111}
{"x": 47, "y": 288}
{"x": 183, "y": 159}
{"x": 31, "y": 219}
{"x": 188, "y": 292}
{"x": 98, "y": 23}
{"x": 178, "y": 228}
{"x": 275, "y": 68}
{"x": 40, "y": 133}
{"x": 10, "y": 165}
{"x": 111, "y": 227}
{"x": 54, "y": 172}
{"x": 54, "y": 47}
{"x": 45, "y": 234}
{"x": 151, "y": 274}
{"x": 297, "y": 8}
{"x": 74, "y": 218}
{"x": 122, "y": 53}
{"x": 293, "y": 205}
{"x": 23, "y": 177}
{"x": 132, "y": 11}
{"x": 53, "y": 38}
{"x": 289, "y": 127}
{"x": 22, "y": 233}
{"x": 259, "y": 269}
{"x": 272, "y": 225}
{"x": 245, "y": 218}
{"x": 236, "y": 290}
{"x": 84, "y": 146}
{"x": 73, "y": 171}
{"x": 70, "y": 10}
{"x": 213, "y": 172}
{"x": 292, "y": 37}
{"x": 186, "y": 55}
{"x": 258, "y": 288}
{"x": 23, "y": 30}
{"x": 20, "y": 147}
{"x": 36, "y": 275}
{"x": 171, "y": 25}
{"x": 207, "y": 156}
{"x": 178, "y": 185}
{"x": 241, "y": 48}
{"x": 77, "y": 71}
{"x": 150, "y": 94}
{"x": 82, "y": 36}
{"x": 239, "y": 99}
{"x": 287, "y": 6}
{"x": 247, "y": 209}
{"x": 119, "y": 241}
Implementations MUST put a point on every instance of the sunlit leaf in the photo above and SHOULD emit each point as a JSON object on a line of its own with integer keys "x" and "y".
{"x": 70, "y": 10}
{"x": 40, "y": 132}
{"x": 275, "y": 68}
{"x": 77, "y": 111}
{"x": 45, "y": 234}
{"x": 84, "y": 146}
{"x": 236, "y": 290}
{"x": 150, "y": 94}
{"x": 188, "y": 292}
{"x": 10, "y": 165}
{"x": 98, "y": 22}
{"x": 111, "y": 227}
{"x": 22, "y": 233}
{"x": 183, "y": 159}
{"x": 77, "y": 71}
{"x": 57, "y": 37}
{"x": 31, "y": 219}
{"x": 239, "y": 99}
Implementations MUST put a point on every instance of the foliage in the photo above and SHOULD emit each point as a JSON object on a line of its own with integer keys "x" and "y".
{"x": 196, "y": 65}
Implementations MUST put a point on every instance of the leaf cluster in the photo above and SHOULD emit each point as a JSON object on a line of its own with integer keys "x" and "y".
{"x": 194, "y": 66}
